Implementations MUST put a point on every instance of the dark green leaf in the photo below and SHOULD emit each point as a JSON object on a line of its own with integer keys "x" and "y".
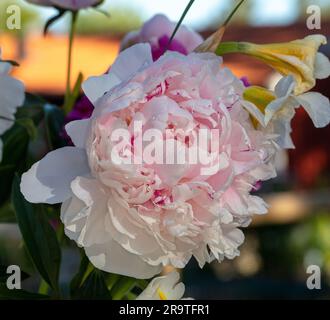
{"x": 7, "y": 294}
{"x": 14, "y": 153}
{"x": 123, "y": 287}
{"x": 30, "y": 127}
{"x": 16, "y": 141}
{"x": 54, "y": 122}
{"x": 32, "y": 108}
{"x": 39, "y": 237}
{"x": 81, "y": 276}
{"x": 7, "y": 213}
{"x": 94, "y": 287}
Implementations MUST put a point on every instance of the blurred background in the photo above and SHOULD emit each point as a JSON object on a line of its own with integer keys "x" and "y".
{"x": 296, "y": 232}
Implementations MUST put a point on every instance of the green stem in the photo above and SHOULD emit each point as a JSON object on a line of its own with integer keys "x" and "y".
{"x": 190, "y": 3}
{"x": 233, "y": 12}
{"x": 231, "y": 47}
{"x": 74, "y": 16}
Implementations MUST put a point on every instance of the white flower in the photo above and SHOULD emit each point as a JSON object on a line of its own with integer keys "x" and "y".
{"x": 164, "y": 288}
{"x": 134, "y": 219}
{"x": 11, "y": 97}
{"x": 275, "y": 110}
{"x": 67, "y": 4}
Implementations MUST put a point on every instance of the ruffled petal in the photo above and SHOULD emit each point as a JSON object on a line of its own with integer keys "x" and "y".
{"x": 317, "y": 106}
{"x": 48, "y": 180}
{"x": 78, "y": 131}
{"x": 111, "y": 257}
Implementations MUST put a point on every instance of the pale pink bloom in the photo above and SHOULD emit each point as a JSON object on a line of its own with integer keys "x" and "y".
{"x": 11, "y": 97}
{"x": 67, "y": 4}
{"x": 157, "y": 31}
{"x": 133, "y": 219}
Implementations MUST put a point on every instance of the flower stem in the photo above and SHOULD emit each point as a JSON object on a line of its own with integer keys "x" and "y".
{"x": 74, "y": 15}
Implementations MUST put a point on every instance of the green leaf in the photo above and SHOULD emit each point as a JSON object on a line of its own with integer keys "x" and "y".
{"x": 74, "y": 94}
{"x": 94, "y": 287}
{"x": 30, "y": 127}
{"x": 123, "y": 287}
{"x": 39, "y": 237}
{"x": 14, "y": 153}
{"x": 4, "y": 275}
{"x": 7, "y": 294}
{"x": 16, "y": 142}
{"x": 32, "y": 108}
{"x": 54, "y": 122}
{"x": 85, "y": 269}
{"x": 7, "y": 213}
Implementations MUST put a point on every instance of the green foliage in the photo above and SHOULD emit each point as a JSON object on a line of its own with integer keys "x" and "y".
{"x": 54, "y": 122}
{"x": 16, "y": 142}
{"x": 7, "y": 294}
{"x": 39, "y": 237}
{"x": 7, "y": 213}
{"x": 121, "y": 21}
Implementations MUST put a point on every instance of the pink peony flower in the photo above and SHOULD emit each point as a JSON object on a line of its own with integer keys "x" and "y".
{"x": 157, "y": 31}
{"x": 67, "y": 4}
{"x": 134, "y": 217}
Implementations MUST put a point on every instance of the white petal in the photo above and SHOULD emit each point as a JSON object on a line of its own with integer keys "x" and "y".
{"x": 322, "y": 66}
{"x": 273, "y": 108}
{"x": 282, "y": 127}
{"x": 280, "y": 107}
{"x": 48, "y": 181}
{"x": 78, "y": 131}
{"x": 317, "y": 106}
{"x": 257, "y": 205}
{"x": 132, "y": 60}
{"x": 285, "y": 86}
{"x": 5, "y": 125}
{"x": 96, "y": 87}
{"x": 111, "y": 257}
{"x": 254, "y": 111}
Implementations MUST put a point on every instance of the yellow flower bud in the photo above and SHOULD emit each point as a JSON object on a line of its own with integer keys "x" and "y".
{"x": 299, "y": 58}
{"x": 260, "y": 97}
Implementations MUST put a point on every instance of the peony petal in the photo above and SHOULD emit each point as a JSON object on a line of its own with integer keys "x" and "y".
{"x": 322, "y": 66}
{"x": 317, "y": 106}
{"x": 131, "y": 60}
{"x": 96, "y": 87}
{"x": 78, "y": 131}
{"x": 111, "y": 257}
{"x": 48, "y": 181}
